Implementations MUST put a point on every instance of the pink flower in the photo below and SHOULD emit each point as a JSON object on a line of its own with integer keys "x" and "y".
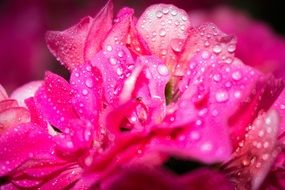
{"x": 142, "y": 91}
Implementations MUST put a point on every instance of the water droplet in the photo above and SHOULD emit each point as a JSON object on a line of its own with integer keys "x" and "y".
{"x": 184, "y": 18}
{"x": 231, "y": 48}
{"x": 176, "y": 45}
{"x": 217, "y": 77}
{"x": 165, "y": 10}
{"x": 109, "y": 48}
{"x": 205, "y": 55}
{"x": 113, "y": 61}
{"x": 162, "y": 32}
{"x": 84, "y": 92}
{"x": 174, "y": 13}
{"x": 222, "y": 96}
{"x": 237, "y": 94}
{"x": 120, "y": 54}
{"x": 163, "y": 52}
{"x": 217, "y": 49}
{"x": 206, "y": 147}
{"x": 236, "y": 75}
{"x": 163, "y": 70}
{"x": 195, "y": 135}
{"x": 119, "y": 71}
{"x": 159, "y": 14}
{"x": 89, "y": 83}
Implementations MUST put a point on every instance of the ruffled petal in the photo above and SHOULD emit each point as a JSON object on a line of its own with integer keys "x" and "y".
{"x": 21, "y": 143}
{"x": 86, "y": 82}
{"x": 115, "y": 65}
{"x": 68, "y": 45}
{"x": 54, "y": 100}
{"x": 26, "y": 91}
{"x": 3, "y": 93}
{"x": 99, "y": 29}
{"x": 255, "y": 155}
{"x": 164, "y": 28}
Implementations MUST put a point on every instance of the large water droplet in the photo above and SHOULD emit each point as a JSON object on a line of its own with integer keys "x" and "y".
{"x": 231, "y": 48}
{"x": 217, "y": 77}
{"x": 163, "y": 70}
{"x": 119, "y": 71}
{"x": 162, "y": 32}
{"x": 222, "y": 96}
{"x": 236, "y": 75}
{"x": 84, "y": 92}
{"x": 89, "y": 83}
{"x": 159, "y": 14}
{"x": 217, "y": 49}
{"x": 113, "y": 61}
{"x": 176, "y": 45}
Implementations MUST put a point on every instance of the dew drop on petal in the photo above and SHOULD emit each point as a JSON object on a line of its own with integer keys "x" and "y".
{"x": 159, "y": 14}
{"x": 222, "y": 96}
{"x": 89, "y": 83}
{"x": 162, "y": 32}
{"x": 217, "y": 49}
{"x": 236, "y": 75}
{"x": 163, "y": 70}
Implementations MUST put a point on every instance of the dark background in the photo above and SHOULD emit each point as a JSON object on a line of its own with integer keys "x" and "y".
{"x": 24, "y": 56}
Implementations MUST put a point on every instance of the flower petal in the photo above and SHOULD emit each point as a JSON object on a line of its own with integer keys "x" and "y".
{"x": 13, "y": 116}
{"x": 253, "y": 158}
{"x": 99, "y": 29}
{"x": 87, "y": 86}
{"x": 209, "y": 38}
{"x": 68, "y": 45}
{"x": 26, "y": 91}
{"x": 161, "y": 26}
{"x": 23, "y": 142}
{"x": 53, "y": 99}
{"x": 115, "y": 64}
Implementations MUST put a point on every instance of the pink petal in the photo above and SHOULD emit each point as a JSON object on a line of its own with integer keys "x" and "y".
{"x": 68, "y": 45}
{"x": 66, "y": 180}
{"x": 26, "y": 91}
{"x": 86, "y": 82}
{"x": 3, "y": 93}
{"x": 54, "y": 100}
{"x": 120, "y": 31}
{"x": 279, "y": 106}
{"x": 253, "y": 158}
{"x": 12, "y": 117}
{"x": 125, "y": 33}
{"x": 21, "y": 143}
{"x": 116, "y": 65}
{"x": 101, "y": 25}
{"x": 162, "y": 26}
{"x": 209, "y": 38}
{"x": 75, "y": 140}
{"x": 8, "y": 103}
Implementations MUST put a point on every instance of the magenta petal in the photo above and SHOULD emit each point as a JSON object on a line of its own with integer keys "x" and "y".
{"x": 21, "y": 143}
{"x": 75, "y": 139}
{"x": 115, "y": 64}
{"x": 68, "y": 46}
{"x": 161, "y": 26}
{"x": 87, "y": 86}
{"x": 54, "y": 100}
{"x": 279, "y": 106}
{"x": 120, "y": 31}
{"x": 99, "y": 29}
{"x": 255, "y": 155}
{"x": 66, "y": 180}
